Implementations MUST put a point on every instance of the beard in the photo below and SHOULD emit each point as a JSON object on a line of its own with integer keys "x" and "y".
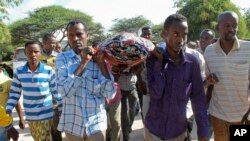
{"x": 76, "y": 47}
{"x": 178, "y": 48}
{"x": 230, "y": 36}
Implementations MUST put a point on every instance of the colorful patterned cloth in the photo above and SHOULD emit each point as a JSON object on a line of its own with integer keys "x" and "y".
{"x": 126, "y": 49}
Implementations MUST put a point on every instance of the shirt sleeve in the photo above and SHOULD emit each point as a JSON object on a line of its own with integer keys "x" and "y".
{"x": 57, "y": 96}
{"x": 103, "y": 87}
{"x": 198, "y": 101}
{"x": 15, "y": 93}
{"x": 67, "y": 82}
{"x": 202, "y": 65}
{"x": 155, "y": 81}
{"x": 5, "y": 119}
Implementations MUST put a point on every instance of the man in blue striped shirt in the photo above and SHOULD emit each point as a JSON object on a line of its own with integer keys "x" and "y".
{"x": 84, "y": 82}
{"x": 37, "y": 83}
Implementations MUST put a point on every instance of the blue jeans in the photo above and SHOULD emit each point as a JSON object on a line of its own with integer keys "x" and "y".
{"x": 3, "y": 134}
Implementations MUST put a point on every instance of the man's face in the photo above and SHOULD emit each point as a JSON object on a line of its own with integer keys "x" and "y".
{"x": 176, "y": 36}
{"x": 58, "y": 47}
{"x": 228, "y": 28}
{"x": 50, "y": 44}
{"x": 146, "y": 33}
{"x": 77, "y": 37}
{"x": 33, "y": 53}
{"x": 205, "y": 39}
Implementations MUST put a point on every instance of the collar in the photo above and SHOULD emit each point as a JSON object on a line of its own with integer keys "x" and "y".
{"x": 71, "y": 53}
{"x": 53, "y": 53}
{"x": 184, "y": 58}
{"x": 39, "y": 69}
{"x": 236, "y": 45}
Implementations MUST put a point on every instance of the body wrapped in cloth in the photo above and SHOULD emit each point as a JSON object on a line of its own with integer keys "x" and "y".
{"x": 126, "y": 49}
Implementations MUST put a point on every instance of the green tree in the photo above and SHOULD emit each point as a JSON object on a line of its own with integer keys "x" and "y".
{"x": 4, "y": 31}
{"x": 49, "y": 19}
{"x": 129, "y": 24}
{"x": 247, "y": 18}
{"x": 203, "y": 14}
{"x": 157, "y": 31}
{"x": 5, "y": 48}
{"x": 6, "y": 4}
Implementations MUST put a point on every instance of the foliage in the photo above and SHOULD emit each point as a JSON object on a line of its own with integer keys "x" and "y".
{"x": 203, "y": 14}
{"x": 6, "y": 50}
{"x": 49, "y": 19}
{"x": 6, "y": 4}
{"x": 4, "y": 33}
{"x": 157, "y": 31}
{"x": 247, "y": 18}
{"x": 131, "y": 25}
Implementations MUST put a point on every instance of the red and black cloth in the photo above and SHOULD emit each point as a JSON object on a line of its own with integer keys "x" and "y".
{"x": 126, "y": 49}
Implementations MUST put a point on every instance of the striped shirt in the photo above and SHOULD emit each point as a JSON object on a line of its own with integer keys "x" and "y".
{"x": 83, "y": 97}
{"x": 37, "y": 88}
{"x": 230, "y": 95}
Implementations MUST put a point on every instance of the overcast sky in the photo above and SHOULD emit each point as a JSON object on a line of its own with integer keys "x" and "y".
{"x": 104, "y": 11}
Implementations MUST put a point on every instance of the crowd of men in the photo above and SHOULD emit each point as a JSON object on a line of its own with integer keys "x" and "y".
{"x": 79, "y": 93}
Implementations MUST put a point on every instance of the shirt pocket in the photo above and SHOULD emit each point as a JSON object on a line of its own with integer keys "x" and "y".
{"x": 240, "y": 71}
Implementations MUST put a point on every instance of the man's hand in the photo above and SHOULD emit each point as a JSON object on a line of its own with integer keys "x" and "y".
{"x": 157, "y": 52}
{"x": 87, "y": 53}
{"x": 211, "y": 79}
{"x": 99, "y": 57}
{"x": 22, "y": 124}
{"x": 13, "y": 134}
{"x": 245, "y": 117}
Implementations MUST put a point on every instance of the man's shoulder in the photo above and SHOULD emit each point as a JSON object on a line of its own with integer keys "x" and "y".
{"x": 67, "y": 54}
{"x": 210, "y": 48}
{"x": 191, "y": 55}
{"x": 196, "y": 53}
{"x": 46, "y": 66}
{"x": 244, "y": 44}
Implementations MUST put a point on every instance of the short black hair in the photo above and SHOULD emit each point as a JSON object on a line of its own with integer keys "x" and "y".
{"x": 227, "y": 13}
{"x": 48, "y": 36}
{"x": 209, "y": 31}
{"x": 31, "y": 43}
{"x": 77, "y": 21}
{"x": 145, "y": 28}
{"x": 174, "y": 18}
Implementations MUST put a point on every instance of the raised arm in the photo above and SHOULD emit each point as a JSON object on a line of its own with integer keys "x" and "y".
{"x": 67, "y": 81}
{"x": 156, "y": 81}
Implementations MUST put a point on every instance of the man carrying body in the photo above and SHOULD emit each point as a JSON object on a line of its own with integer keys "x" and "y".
{"x": 172, "y": 82}
{"x": 84, "y": 82}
